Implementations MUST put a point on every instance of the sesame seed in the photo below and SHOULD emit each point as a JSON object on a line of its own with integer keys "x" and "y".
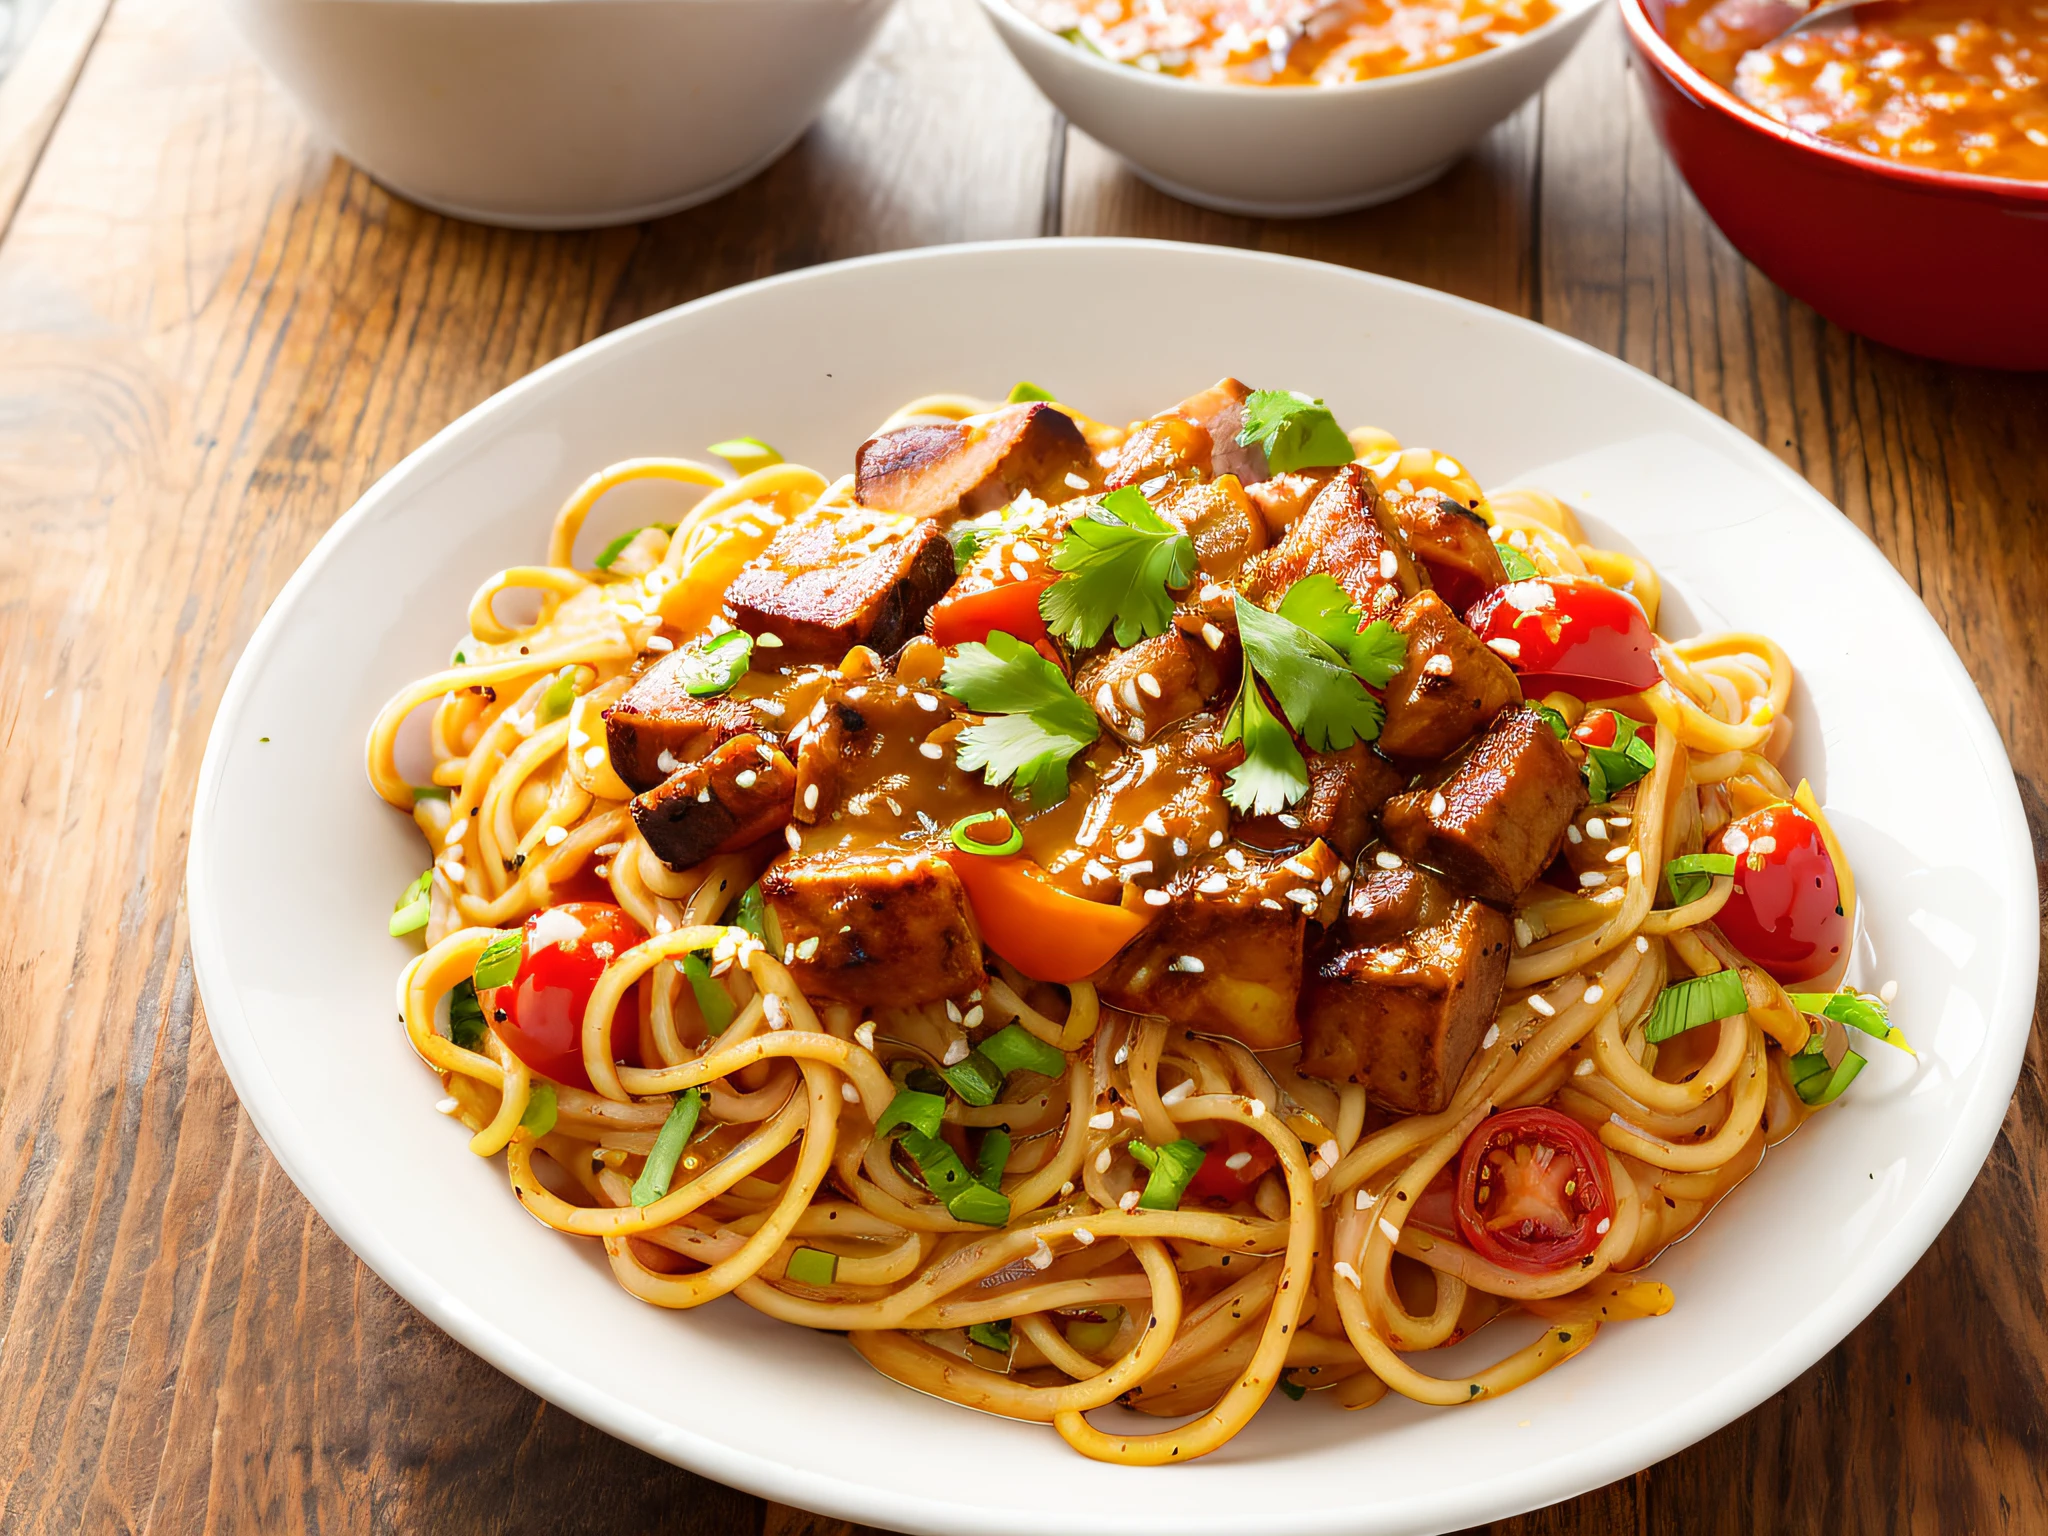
{"x": 768, "y": 641}
{"x": 1594, "y": 993}
{"x": 1511, "y": 649}
{"x": 667, "y": 762}
{"x": 794, "y": 838}
{"x": 1541, "y": 1004}
{"x": 1212, "y": 635}
{"x": 454, "y": 870}
{"x": 1602, "y": 1226}
{"x": 578, "y": 737}
{"x": 1102, "y": 1158}
{"x": 1019, "y": 571}
{"x": 1642, "y": 945}
{"x": 1635, "y": 865}
{"x": 1256, "y": 1108}
{"x": 1524, "y": 934}
{"x": 1390, "y": 566}
{"x": 1574, "y": 835}
{"x": 1156, "y": 898}
{"x": 747, "y": 778}
{"x": 808, "y": 948}
{"x": 1129, "y": 1201}
{"x": 1584, "y": 1068}
{"x": 973, "y": 1018}
{"x": 594, "y": 758}
{"x": 603, "y": 872}
{"x": 1888, "y": 992}
{"x": 810, "y": 797}
{"x": 1148, "y": 685}
{"x": 932, "y": 750}
{"x": 955, "y": 1054}
{"x": 849, "y": 1093}
{"x": 1237, "y": 1160}
{"x": 1439, "y": 665}
{"x": 1328, "y": 1152}
{"x": 1616, "y": 855}
{"x": 1267, "y": 901}
{"x": 1343, "y": 1271}
{"x": 1591, "y": 878}
{"x": 1041, "y": 1256}
{"x": 1391, "y": 1232}
{"x": 660, "y": 643}
{"x": 1081, "y": 1234}
{"x": 1215, "y": 885}
{"x": 1191, "y": 963}
{"x": 1596, "y": 828}
{"x": 1076, "y": 483}
{"x": 1491, "y": 1038}
{"x": 1135, "y": 868}
{"x": 448, "y": 1106}
{"x": 1215, "y": 839}
{"x": 1363, "y": 1201}
{"x": 1438, "y": 804}
{"x": 1387, "y": 859}
{"x": 1103, "y": 1121}
{"x": 554, "y": 837}
{"x": 1178, "y": 1091}
{"x": 1235, "y": 859}
{"x": 865, "y": 1034}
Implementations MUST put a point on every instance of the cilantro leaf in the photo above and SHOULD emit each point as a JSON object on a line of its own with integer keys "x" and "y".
{"x": 1272, "y": 775}
{"x": 1119, "y": 562}
{"x": 1326, "y": 611}
{"x": 1313, "y": 684}
{"x": 1035, "y": 725}
{"x": 1296, "y": 430}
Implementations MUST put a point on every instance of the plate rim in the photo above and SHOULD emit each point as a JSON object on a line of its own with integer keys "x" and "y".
{"x": 1653, "y": 1439}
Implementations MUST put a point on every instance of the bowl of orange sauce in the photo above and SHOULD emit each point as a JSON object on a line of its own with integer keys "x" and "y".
{"x": 1888, "y": 166}
{"x": 1289, "y": 107}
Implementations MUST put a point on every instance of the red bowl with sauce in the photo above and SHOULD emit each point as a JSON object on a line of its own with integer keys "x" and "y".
{"x": 1946, "y": 264}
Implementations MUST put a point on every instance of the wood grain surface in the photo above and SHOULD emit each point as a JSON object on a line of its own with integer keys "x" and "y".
{"x": 214, "y": 335}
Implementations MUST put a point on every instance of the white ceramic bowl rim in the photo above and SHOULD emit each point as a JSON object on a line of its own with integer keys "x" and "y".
{"x": 1416, "y": 79}
{"x": 1654, "y": 1434}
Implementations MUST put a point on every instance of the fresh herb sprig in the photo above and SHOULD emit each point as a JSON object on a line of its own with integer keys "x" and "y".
{"x": 1119, "y": 565}
{"x": 1035, "y": 723}
{"x": 1296, "y": 430}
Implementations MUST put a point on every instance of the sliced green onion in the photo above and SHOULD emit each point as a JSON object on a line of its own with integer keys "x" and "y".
{"x": 1812, "y": 1078}
{"x": 967, "y": 844}
{"x": 922, "y": 1113}
{"x": 1093, "y": 1335}
{"x": 617, "y": 547}
{"x": 675, "y": 1134}
{"x": 995, "y": 1335}
{"x": 713, "y": 1001}
{"x": 556, "y": 702}
{"x": 965, "y": 1197}
{"x": 458, "y": 659}
{"x": 1173, "y": 1168}
{"x": 1013, "y": 1048}
{"x": 993, "y": 1157}
{"x": 429, "y": 792}
{"x": 498, "y": 965}
{"x": 812, "y": 1266}
{"x": 975, "y": 1078}
{"x": 1817, "y": 1083}
{"x": 1695, "y": 1001}
{"x": 750, "y": 913}
{"x": 717, "y": 664}
{"x": 409, "y": 913}
{"x": 966, "y": 540}
{"x": 1025, "y": 390}
{"x": 1856, "y": 1011}
{"x": 465, "y": 1015}
{"x": 1691, "y": 875}
{"x": 1554, "y": 720}
{"x": 1611, "y": 769}
{"x": 539, "y": 1118}
{"x": 1518, "y": 565}
{"x": 1291, "y": 1387}
{"x": 746, "y": 454}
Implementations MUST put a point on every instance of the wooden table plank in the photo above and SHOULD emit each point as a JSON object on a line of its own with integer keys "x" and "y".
{"x": 215, "y": 336}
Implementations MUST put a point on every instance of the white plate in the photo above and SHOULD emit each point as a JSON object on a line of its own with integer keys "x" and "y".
{"x": 295, "y": 863}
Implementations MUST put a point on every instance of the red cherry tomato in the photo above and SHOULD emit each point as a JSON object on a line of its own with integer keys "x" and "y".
{"x": 1217, "y": 1180}
{"x": 1533, "y": 1194}
{"x": 1597, "y": 729}
{"x": 1581, "y": 636}
{"x": 539, "y": 1015}
{"x": 1786, "y": 910}
{"x": 959, "y": 617}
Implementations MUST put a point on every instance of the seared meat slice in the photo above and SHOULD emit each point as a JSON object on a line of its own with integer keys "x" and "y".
{"x": 874, "y": 928}
{"x": 729, "y": 800}
{"x": 1453, "y": 545}
{"x": 1140, "y": 691}
{"x": 1449, "y": 687}
{"x": 1220, "y": 521}
{"x": 1345, "y": 788}
{"x": 1404, "y": 989}
{"x": 657, "y": 726}
{"x": 1219, "y": 410}
{"x": 1224, "y": 955}
{"x": 1493, "y": 818}
{"x": 1284, "y": 498}
{"x": 937, "y": 469}
{"x": 825, "y": 585}
{"x": 1169, "y": 446}
{"x": 864, "y": 744}
{"x": 1348, "y": 532}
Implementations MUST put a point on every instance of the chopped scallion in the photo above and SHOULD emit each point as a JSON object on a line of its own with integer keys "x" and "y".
{"x": 539, "y": 1118}
{"x": 746, "y": 454}
{"x": 465, "y": 1015}
{"x": 966, "y": 842}
{"x": 1695, "y": 1001}
{"x": 1815, "y": 1081}
{"x": 993, "y": 1157}
{"x": 498, "y": 965}
{"x": 717, "y": 664}
{"x": 675, "y": 1134}
{"x": 1518, "y": 565}
{"x": 975, "y": 1078}
{"x": 1173, "y": 1167}
{"x": 812, "y": 1266}
{"x": 1557, "y": 723}
{"x": 920, "y": 1112}
{"x": 560, "y": 695}
{"x": 415, "y": 903}
{"x": 1013, "y": 1048}
{"x": 995, "y": 1335}
{"x": 1691, "y": 875}
{"x": 713, "y": 1001}
{"x": 1291, "y": 1387}
{"x": 1025, "y": 390}
{"x": 964, "y": 1196}
{"x": 1092, "y": 1335}
{"x": 750, "y": 914}
{"x": 429, "y": 792}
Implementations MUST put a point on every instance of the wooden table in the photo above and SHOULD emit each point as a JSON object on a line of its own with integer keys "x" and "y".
{"x": 216, "y": 335}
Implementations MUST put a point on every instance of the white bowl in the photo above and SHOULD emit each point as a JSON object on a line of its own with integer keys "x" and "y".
{"x": 560, "y": 114}
{"x": 295, "y": 861}
{"x": 1290, "y": 151}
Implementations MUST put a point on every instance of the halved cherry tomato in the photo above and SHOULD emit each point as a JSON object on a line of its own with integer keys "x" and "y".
{"x": 539, "y": 1014}
{"x": 1533, "y": 1194}
{"x": 1037, "y": 927}
{"x": 1581, "y": 636}
{"x": 1217, "y": 1180}
{"x": 1786, "y": 910}
{"x": 959, "y": 617}
{"x": 1597, "y": 729}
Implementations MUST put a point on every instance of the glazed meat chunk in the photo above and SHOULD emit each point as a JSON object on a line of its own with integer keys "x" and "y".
{"x": 1490, "y": 820}
{"x": 940, "y": 469}
{"x": 1345, "y": 788}
{"x": 827, "y": 584}
{"x": 1140, "y": 691}
{"x": 1219, "y": 411}
{"x": 1348, "y": 532}
{"x": 1453, "y": 545}
{"x": 657, "y": 726}
{"x": 1403, "y": 990}
{"x": 874, "y": 928}
{"x": 1449, "y": 687}
{"x": 1224, "y": 955}
{"x": 730, "y": 799}
{"x": 1220, "y": 521}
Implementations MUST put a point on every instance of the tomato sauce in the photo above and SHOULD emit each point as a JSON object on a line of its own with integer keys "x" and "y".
{"x": 1947, "y": 85}
{"x": 1288, "y": 42}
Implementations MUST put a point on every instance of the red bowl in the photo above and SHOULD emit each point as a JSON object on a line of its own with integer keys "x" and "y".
{"x": 1945, "y": 264}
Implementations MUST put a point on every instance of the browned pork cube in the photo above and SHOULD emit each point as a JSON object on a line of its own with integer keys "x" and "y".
{"x": 1492, "y": 819}
{"x": 1345, "y": 788}
{"x": 731, "y": 799}
{"x": 938, "y": 469}
{"x": 874, "y": 928}
{"x": 1224, "y": 954}
{"x": 1453, "y": 545}
{"x": 1283, "y": 498}
{"x": 1169, "y": 445}
{"x": 827, "y": 584}
{"x": 1220, "y": 521}
{"x": 1219, "y": 410}
{"x": 1140, "y": 691}
{"x": 1449, "y": 687}
{"x": 1404, "y": 989}
{"x": 657, "y": 726}
{"x": 1347, "y": 532}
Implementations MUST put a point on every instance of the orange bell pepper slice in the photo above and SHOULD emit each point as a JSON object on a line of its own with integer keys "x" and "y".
{"x": 1046, "y": 933}
{"x": 1011, "y": 608}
